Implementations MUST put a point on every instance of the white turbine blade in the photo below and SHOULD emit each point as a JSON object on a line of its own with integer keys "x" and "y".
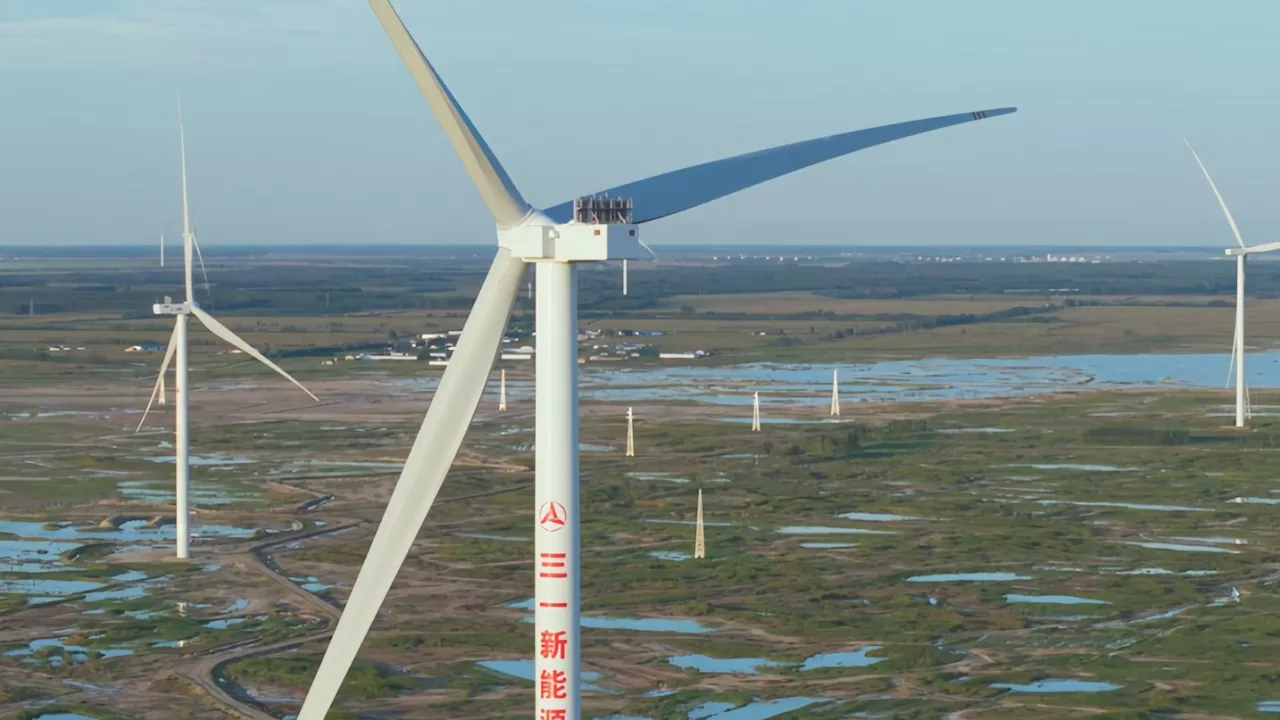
{"x": 1222, "y": 203}
{"x": 424, "y": 471}
{"x": 1235, "y": 347}
{"x": 499, "y": 193}
{"x": 187, "y": 238}
{"x": 679, "y": 190}
{"x": 196, "y": 244}
{"x": 1265, "y": 247}
{"x": 225, "y": 333}
{"x": 164, "y": 367}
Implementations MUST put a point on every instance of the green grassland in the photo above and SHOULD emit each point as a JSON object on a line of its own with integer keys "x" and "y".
{"x": 1123, "y": 499}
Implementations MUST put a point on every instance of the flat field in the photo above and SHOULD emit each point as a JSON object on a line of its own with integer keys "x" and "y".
{"x": 1027, "y": 553}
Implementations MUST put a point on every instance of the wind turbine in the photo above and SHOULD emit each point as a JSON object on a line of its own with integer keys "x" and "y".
{"x": 1241, "y": 253}
{"x": 502, "y": 390}
{"x": 631, "y": 433}
{"x": 554, "y": 240}
{"x": 178, "y": 346}
{"x": 755, "y": 412}
{"x": 835, "y": 393}
{"x": 699, "y": 537}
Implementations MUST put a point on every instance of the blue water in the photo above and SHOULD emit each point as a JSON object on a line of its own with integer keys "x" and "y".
{"x": 1183, "y": 548}
{"x": 1269, "y": 706}
{"x": 910, "y": 380}
{"x": 758, "y": 710}
{"x": 1255, "y": 501}
{"x": 211, "y": 460}
{"x": 1053, "y": 599}
{"x": 842, "y": 659}
{"x": 707, "y": 664}
{"x": 687, "y": 522}
{"x": 671, "y": 625}
{"x": 1129, "y": 506}
{"x": 1073, "y": 466}
{"x": 942, "y": 378}
{"x": 827, "y": 545}
{"x": 29, "y": 556}
{"x": 877, "y": 517}
{"x": 969, "y": 577}
{"x": 1212, "y": 540}
{"x": 523, "y": 669}
{"x": 598, "y": 622}
{"x": 1058, "y": 686}
{"x": 672, "y": 555}
{"x": 79, "y": 654}
{"x": 1161, "y": 616}
{"x": 668, "y": 477}
{"x": 711, "y": 708}
{"x": 40, "y": 591}
{"x": 311, "y": 584}
{"x": 131, "y": 531}
{"x": 823, "y": 530}
{"x": 149, "y": 492}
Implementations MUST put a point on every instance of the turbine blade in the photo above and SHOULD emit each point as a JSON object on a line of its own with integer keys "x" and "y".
{"x": 1222, "y": 203}
{"x": 424, "y": 471}
{"x": 164, "y": 367}
{"x": 186, "y": 214}
{"x": 499, "y": 193}
{"x": 1235, "y": 347}
{"x": 200, "y": 256}
{"x": 1265, "y": 247}
{"x": 225, "y": 333}
{"x": 679, "y": 190}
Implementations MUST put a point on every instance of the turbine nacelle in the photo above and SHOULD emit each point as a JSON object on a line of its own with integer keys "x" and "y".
{"x": 601, "y": 230}
{"x": 172, "y": 308}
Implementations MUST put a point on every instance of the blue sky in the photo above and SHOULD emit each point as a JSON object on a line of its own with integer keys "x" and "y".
{"x": 303, "y": 126}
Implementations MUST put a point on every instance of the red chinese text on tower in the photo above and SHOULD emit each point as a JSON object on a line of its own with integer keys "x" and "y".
{"x": 551, "y": 685}
{"x": 554, "y": 645}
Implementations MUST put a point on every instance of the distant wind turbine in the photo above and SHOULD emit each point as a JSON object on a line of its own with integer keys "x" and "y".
{"x": 178, "y": 346}
{"x": 1241, "y": 253}
{"x": 631, "y": 433}
{"x": 600, "y": 227}
{"x": 699, "y": 537}
{"x": 502, "y": 390}
{"x": 835, "y": 393}
{"x": 755, "y": 412}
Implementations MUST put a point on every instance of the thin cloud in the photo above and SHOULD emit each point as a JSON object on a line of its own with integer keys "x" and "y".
{"x": 131, "y": 34}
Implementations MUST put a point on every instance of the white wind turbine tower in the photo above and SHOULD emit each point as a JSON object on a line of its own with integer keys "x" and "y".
{"x": 631, "y": 433}
{"x": 1241, "y": 253}
{"x": 699, "y": 538}
{"x": 755, "y": 412}
{"x": 502, "y": 390}
{"x": 835, "y": 393}
{"x": 178, "y": 347}
{"x": 554, "y": 240}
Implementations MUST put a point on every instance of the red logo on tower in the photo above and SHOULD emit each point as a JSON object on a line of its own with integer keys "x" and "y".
{"x": 552, "y": 516}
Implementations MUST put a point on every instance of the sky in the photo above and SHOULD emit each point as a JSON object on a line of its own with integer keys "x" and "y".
{"x": 303, "y": 127}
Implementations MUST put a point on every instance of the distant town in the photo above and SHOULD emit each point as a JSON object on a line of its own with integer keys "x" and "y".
{"x": 437, "y": 348}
